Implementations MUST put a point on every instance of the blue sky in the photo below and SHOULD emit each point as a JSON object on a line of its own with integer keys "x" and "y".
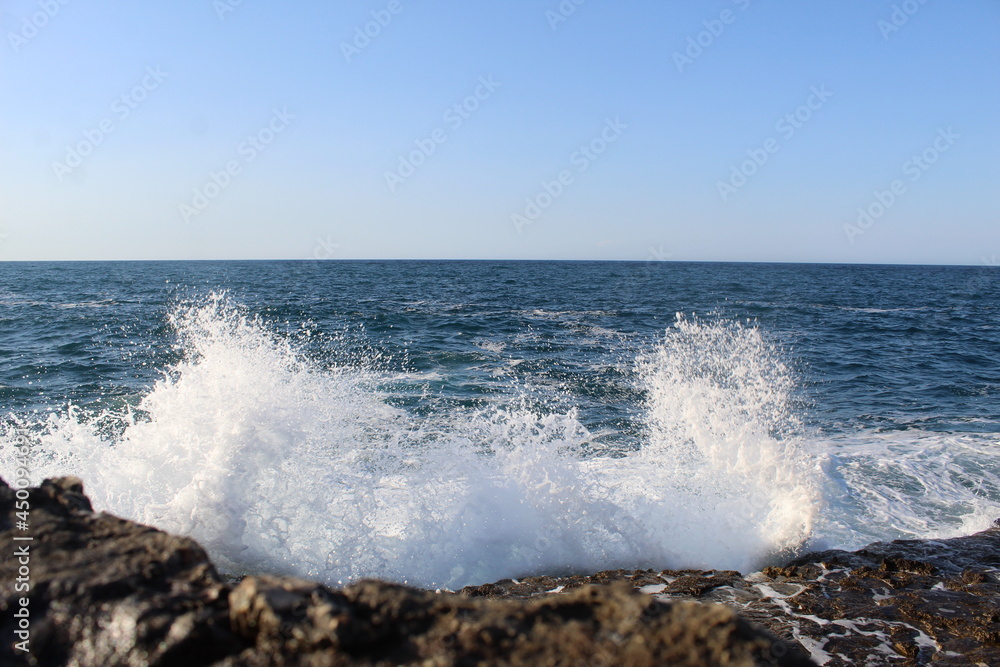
{"x": 729, "y": 130}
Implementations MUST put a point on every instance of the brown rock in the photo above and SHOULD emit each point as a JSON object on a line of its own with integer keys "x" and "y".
{"x": 378, "y": 623}
{"x": 907, "y": 602}
{"x": 106, "y": 592}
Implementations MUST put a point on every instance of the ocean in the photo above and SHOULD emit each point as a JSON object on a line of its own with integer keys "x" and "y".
{"x": 447, "y": 423}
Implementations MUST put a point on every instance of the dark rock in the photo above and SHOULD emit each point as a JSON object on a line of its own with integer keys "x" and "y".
{"x": 378, "y": 623}
{"x": 907, "y": 602}
{"x": 105, "y": 591}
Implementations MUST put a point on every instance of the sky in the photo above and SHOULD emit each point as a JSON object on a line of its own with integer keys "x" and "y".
{"x": 858, "y": 131}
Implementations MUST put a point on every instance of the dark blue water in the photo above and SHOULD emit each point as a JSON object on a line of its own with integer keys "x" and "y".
{"x": 894, "y": 370}
{"x": 886, "y": 346}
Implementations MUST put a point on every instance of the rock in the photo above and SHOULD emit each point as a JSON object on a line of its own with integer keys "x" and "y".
{"x": 106, "y": 591}
{"x": 378, "y": 623}
{"x": 906, "y": 602}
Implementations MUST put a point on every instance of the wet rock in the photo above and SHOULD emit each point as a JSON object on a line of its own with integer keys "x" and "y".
{"x": 378, "y": 623}
{"x": 906, "y": 602}
{"x": 105, "y": 591}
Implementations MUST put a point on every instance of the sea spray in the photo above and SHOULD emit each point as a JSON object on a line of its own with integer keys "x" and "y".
{"x": 276, "y": 463}
{"x": 721, "y": 428}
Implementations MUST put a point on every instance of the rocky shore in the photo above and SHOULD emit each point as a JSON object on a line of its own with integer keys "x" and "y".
{"x": 106, "y": 591}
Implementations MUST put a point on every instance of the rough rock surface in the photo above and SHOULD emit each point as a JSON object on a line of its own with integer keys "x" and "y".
{"x": 906, "y": 602}
{"x": 375, "y": 622}
{"x": 105, "y": 591}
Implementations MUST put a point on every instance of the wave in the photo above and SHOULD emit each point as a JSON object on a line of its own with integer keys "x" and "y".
{"x": 277, "y": 463}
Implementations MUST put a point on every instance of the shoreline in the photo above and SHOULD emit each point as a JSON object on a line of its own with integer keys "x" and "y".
{"x": 104, "y": 590}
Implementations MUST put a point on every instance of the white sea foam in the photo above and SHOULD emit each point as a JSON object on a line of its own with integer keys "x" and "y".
{"x": 277, "y": 464}
{"x": 494, "y": 346}
{"x": 908, "y": 484}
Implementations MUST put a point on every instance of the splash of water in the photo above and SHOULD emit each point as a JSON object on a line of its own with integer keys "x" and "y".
{"x": 275, "y": 463}
{"x": 722, "y": 433}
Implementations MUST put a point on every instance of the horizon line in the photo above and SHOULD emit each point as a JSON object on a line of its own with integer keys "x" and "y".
{"x": 473, "y": 259}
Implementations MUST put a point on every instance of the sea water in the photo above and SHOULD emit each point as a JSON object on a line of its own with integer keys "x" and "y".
{"x": 453, "y": 423}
